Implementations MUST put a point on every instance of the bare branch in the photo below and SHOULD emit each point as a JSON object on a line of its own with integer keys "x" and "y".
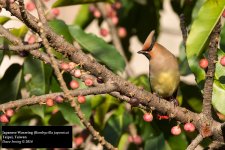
{"x": 102, "y": 89}
{"x": 195, "y": 142}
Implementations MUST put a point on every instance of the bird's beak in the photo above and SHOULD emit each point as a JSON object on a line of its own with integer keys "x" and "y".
{"x": 144, "y": 52}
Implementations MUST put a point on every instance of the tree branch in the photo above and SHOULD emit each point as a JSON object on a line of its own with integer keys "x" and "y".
{"x": 195, "y": 142}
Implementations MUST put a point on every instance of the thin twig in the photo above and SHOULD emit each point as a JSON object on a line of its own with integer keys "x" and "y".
{"x": 195, "y": 142}
{"x": 102, "y": 89}
{"x": 62, "y": 82}
{"x": 115, "y": 39}
{"x": 212, "y": 57}
{"x": 183, "y": 29}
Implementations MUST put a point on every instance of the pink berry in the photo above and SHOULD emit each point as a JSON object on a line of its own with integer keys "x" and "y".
{"x": 4, "y": 119}
{"x": 78, "y": 140}
{"x": 59, "y": 99}
{"x": 137, "y": 139}
{"x": 46, "y": 0}
{"x": 97, "y": 13}
{"x": 122, "y": 32}
{"x": 104, "y": 32}
{"x": 55, "y": 11}
{"x": 9, "y": 112}
{"x": 222, "y": 61}
{"x": 88, "y": 82}
{"x": 130, "y": 139}
{"x": 72, "y": 65}
{"x": 203, "y": 63}
{"x": 115, "y": 20}
{"x": 189, "y": 127}
{"x": 31, "y": 39}
{"x": 148, "y": 117}
{"x": 55, "y": 111}
{"x": 65, "y": 66}
{"x": 81, "y": 99}
{"x": 74, "y": 84}
{"x": 77, "y": 73}
{"x": 30, "y": 6}
{"x": 49, "y": 102}
{"x": 176, "y": 130}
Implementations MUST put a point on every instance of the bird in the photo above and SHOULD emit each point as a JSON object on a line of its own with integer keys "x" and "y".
{"x": 164, "y": 76}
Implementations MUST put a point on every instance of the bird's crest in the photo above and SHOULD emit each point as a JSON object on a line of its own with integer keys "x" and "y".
{"x": 149, "y": 42}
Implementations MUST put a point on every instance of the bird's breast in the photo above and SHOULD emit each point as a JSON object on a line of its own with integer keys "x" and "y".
{"x": 164, "y": 83}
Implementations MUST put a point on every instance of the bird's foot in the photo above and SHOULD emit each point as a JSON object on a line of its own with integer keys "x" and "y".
{"x": 174, "y": 101}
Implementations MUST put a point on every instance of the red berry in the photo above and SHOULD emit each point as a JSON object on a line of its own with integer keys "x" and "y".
{"x": 77, "y": 73}
{"x": 78, "y": 140}
{"x": 189, "y": 127}
{"x": 97, "y": 13}
{"x": 55, "y": 11}
{"x": 203, "y": 63}
{"x": 88, "y": 82}
{"x": 59, "y": 99}
{"x": 161, "y": 117}
{"x": 176, "y": 130}
{"x": 72, "y": 65}
{"x": 122, "y": 32}
{"x": 148, "y": 117}
{"x": 32, "y": 39}
{"x": 4, "y": 119}
{"x": 222, "y": 61}
{"x": 81, "y": 99}
{"x": 49, "y": 102}
{"x": 115, "y": 20}
{"x": 223, "y": 14}
{"x": 137, "y": 140}
{"x": 30, "y": 6}
{"x": 65, "y": 66}
{"x": 9, "y": 112}
{"x": 130, "y": 139}
{"x": 104, "y": 32}
{"x": 74, "y": 84}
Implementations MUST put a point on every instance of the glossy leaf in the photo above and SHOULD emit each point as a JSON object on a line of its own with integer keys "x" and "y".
{"x": 4, "y": 19}
{"x": 178, "y": 142}
{"x": 20, "y": 32}
{"x": 40, "y": 76}
{"x": 60, "y": 3}
{"x": 102, "y": 51}
{"x": 83, "y": 17}
{"x": 156, "y": 142}
{"x": 61, "y": 28}
{"x": 69, "y": 114}
{"x": 11, "y": 83}
{"x": 38, "y": 110}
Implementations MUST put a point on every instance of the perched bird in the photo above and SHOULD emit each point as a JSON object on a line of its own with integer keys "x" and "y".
{"x": 164, "y": 76}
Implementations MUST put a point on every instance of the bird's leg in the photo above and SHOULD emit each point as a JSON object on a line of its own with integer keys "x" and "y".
{"x": 174, "y": 101}
{"x": 156, "y": 94}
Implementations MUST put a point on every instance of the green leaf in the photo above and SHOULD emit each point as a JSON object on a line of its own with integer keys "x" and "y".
{"x": 60, "y": 3}
{"x": 218, "y": 100}
{"x": 156, "y": 142}
{"x": 40, "y": 76}
{"x": 222, "y": 38}
{"x": 83, "y": 17}
{"x": 141, "y": 80}
{"x": 102, "y": 51}
{"x": 178, "y": 142}
{"x": 61, "y": 28}
{"x": 4, "y": 19}
{"x": 11, "y": 83}
{"x": 69, "y": 114}
{"x": 20, "y": 32}
{"x": 203, "y": 25}
{"x": 201, "y": 28}
{"x": 38, "y": 110}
